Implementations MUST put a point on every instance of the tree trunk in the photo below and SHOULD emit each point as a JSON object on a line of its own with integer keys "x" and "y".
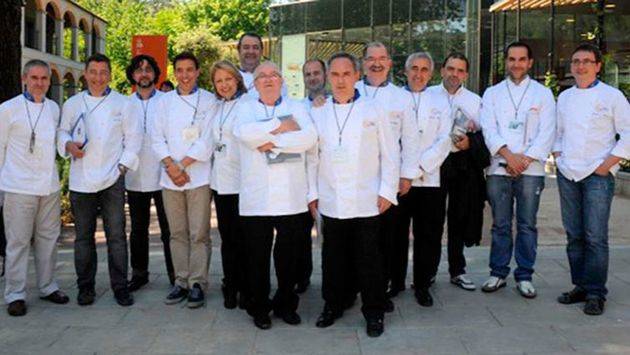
{"x": 10, "y": 48}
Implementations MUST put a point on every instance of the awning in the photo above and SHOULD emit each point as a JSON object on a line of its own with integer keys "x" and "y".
{"x": 512, "y": 5}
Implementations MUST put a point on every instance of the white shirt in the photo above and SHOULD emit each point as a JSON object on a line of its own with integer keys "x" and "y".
{"x": 531, "y": 132}
{"x": 588, "y": 120}
{"x": 226, "y": 165}
{"x": 432, "y": 124}
{"x": 248, "y": 80}
{"x": 272, "y": 189}
{"x": 350, "y": 177}
{"x": 397, "y": 105}
{"x": 22, "y": 171}
{"x": 147, "y": 177}
{"x": 114, "y": 137}
{"x": 183, "y": 128}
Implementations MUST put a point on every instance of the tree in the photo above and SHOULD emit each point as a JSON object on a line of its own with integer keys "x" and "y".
{"x": 228, "y": 19}
{"x": 11, "y": 48}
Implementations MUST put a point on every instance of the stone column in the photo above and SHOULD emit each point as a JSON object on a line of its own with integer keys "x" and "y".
{"x": 75, "y": 43}
{"x": 40, "y": 29}
{"x": 59, "y": 34}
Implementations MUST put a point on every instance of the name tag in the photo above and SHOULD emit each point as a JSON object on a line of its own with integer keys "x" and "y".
{"x": 190, "y": 134}
{"x": 515, "y": 125}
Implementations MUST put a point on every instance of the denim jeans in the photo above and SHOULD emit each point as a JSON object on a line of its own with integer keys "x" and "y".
{"x": 585, "y": 209}
{"x": 502, "y": 193}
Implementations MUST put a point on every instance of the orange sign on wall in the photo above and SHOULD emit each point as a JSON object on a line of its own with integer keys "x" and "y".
{"x": 155, "y": 46}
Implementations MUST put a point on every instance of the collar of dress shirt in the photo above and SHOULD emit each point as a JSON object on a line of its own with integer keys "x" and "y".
{"x": 104, "y": 93}
{"x": 591, "y": 85}
{"x": 459, "y": 90}
{"x": 278, "y": 102}
{"x": 406, "y": 87}
{"x": 238, "y": 94}
{"x": 523, "y": 82}
{"x": 31, "y": 98}
{"x": 150, "y": 95}
{"x": 367, "y": 83}
{"x": 354, "y": 98}
{"x": 194, "y": 90}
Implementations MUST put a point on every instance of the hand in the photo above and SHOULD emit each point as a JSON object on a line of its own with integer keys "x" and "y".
{"x": 515, "y": 165}
{"x": 312, "y": 206}
{"x": 177, "y": 174}
{"x": 525, "y": 160}
{"x": 404, "y": 185}
{"x": 463, "y": 143}
{"x": 266, "y": 147}
{"x": 319, "y": 101}
{"x": 556, "y": 155}
{"x": 472, "y": 126}
{"x": 288, "y": 125}
{"x": 182, "y": 179}
{"x": 187, "y": 161}
{"x": 123, "y": 169}
{"x": 383, "y": 204}
{"x": 75, "y": 150}
{"x": 602, "y": 170}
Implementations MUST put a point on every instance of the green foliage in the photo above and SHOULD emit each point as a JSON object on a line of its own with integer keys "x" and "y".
{"x": 228, "y": 19}
{"x": 551, "y": 81}
{"x": 63, "y": 166}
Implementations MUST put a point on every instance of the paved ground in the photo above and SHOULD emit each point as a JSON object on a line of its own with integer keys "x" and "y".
{"x": 460, "y": 322}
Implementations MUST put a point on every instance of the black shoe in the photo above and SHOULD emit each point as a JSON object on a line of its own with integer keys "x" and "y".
{"x": 574, "y": 296}
{"x": 123, "y": 297}
{"x": 262, "y": 321}
{"x": 230, "y": 300}
{"x": 196, "y": 298}
{"x": 302, "y": 286}
{"x": 375, "y": 327}
{"x": 327, "y": 318}
{"x": 389, "y": 306}
{"x": 136, "y": 283}
{"x": 291, "y": 318}
{"x": 86, "y": 297}
{"x": 423, "y": 296}
{"x": 394, "y": 291}
{"x": 57, "y": 297}
{"x": 176, "y": 295}
{"x": 594, "y": 306}
{"x": 17, "y": 308}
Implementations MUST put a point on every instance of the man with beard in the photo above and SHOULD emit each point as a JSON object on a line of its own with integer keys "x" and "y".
{"x": 314, "y": 71}
{"x": 518, "y": 122}
{"x": 143, "y": 185}
{"x": 394, "y": 101}
{"x": 463, "y": 179}
{"x": 250, "y": 48}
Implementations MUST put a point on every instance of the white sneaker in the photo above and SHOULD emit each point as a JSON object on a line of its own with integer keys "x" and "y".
{"x": 492, "y": 284}
{"x": 463, "y": 282}
{"x": 526, "y": 289}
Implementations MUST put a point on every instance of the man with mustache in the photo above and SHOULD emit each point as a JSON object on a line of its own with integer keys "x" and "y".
{"x": 250, "y": 49}
{"x": 518, "y": 121}
{"x": 394, "y": 101}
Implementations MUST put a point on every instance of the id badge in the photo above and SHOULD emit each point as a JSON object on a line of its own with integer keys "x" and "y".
{"x": 220, "y": 149}
{"x": 339, "y": 155}
{"x": 515, "y": 125}
{"x": 190, "y": 134}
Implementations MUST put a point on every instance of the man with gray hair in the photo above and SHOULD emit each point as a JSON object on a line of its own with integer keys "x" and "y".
{"x": 29, "y": 178}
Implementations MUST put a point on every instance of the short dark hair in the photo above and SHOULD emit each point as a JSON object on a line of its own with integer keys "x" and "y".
{"x": 315, "y": 60}
{"x": 516, "y": 44}
{"x": 249, "y": 34}
{"x": 167, "y": 83}
{"x": 346, "y": 55}
{"x": 591, "y": 48}
{"x": 136, "y": 62}
{"x": 186, "y": 56}
{"x": 457, "y": 55}
{"x": 98, "y": 58}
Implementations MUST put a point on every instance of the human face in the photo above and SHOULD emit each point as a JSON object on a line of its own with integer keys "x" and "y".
{"x": 97, "y": 75}
{"x": 225, "y": 83}
{"x": 144, "y": 75}
{"x": 249, "y": 52}
{"x": 419, "y": 74}
{"x": 268, "y": 82}
{"x": 584, "y": 67}
{"x": 342, "y": 77}
{"x": 454, "y": 73}
{"x": 377, "y": 63}
{"x": 517, "y": 63}
{"x": 37, "y": 81}
{"x": 186, "y": 74}
{"x": 314, "y": 76}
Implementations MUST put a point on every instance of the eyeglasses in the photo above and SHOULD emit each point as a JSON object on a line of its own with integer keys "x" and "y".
{"x": 376, "y": 59}
{"x": 577, "y": 62}
{"x": 270, "y": 76}
{"x": 147, "y": 70}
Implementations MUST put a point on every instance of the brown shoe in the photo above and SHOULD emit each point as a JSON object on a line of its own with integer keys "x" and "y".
{"x": 17, "y": 308}
{"x": 57, "y": 297}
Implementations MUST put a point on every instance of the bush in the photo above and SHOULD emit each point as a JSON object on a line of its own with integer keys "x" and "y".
{"x": 63, "y": 166}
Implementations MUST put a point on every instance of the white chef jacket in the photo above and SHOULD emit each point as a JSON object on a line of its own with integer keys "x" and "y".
{"x": 350, "y": 177}
{"x": 21, "y": 171}
{"x": 114, "y": 137}
{"x": 272, "y": 189}
{"x": 588, "y": 120}
{"x": 147, "y": 177}
{"x": 531, "y": 133}
{"x": 177, "y": 115}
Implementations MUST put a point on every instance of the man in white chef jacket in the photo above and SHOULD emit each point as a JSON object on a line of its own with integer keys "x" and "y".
{"x": 274, "y": 133}
{"x": 143, "y": 185}
{"x": 357, "y": 180}
{"x": 103, "y": 142}
{"x": 518, "y": 122}
{"x": 250, "y": 49}
{"x": 590, "y": 115}
{"x": 182, "y": 141}
{"x": 28, "y": 175}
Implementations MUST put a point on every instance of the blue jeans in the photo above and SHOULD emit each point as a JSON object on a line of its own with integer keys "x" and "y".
{"x": 585, "y": 209}
{"x": 502, "y": 192}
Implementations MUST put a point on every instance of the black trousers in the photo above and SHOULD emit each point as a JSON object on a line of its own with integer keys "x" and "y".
{"x": 351, "y": 250}
{"x": 259, "y": 239}
{"x": 397, "y": 244}
{"x": 233, "y": 255}
{"x": 3, "y": 238}
{"x": 140, "y": 213}
{"x": 458, "y": 224}
{"x": 305, "y": 256}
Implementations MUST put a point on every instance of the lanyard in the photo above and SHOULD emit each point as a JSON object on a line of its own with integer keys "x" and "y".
{"x": 222, "y": 118}
{"x": 145, "y": 108}
{"x": 520, "y": 101}
{"x": 195, "y": 107}
{"x": 273, "y": 112}
{"x": 340, "y": 129}
{"x": 89, "y": 111}
{"x": 31, "y": 144}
